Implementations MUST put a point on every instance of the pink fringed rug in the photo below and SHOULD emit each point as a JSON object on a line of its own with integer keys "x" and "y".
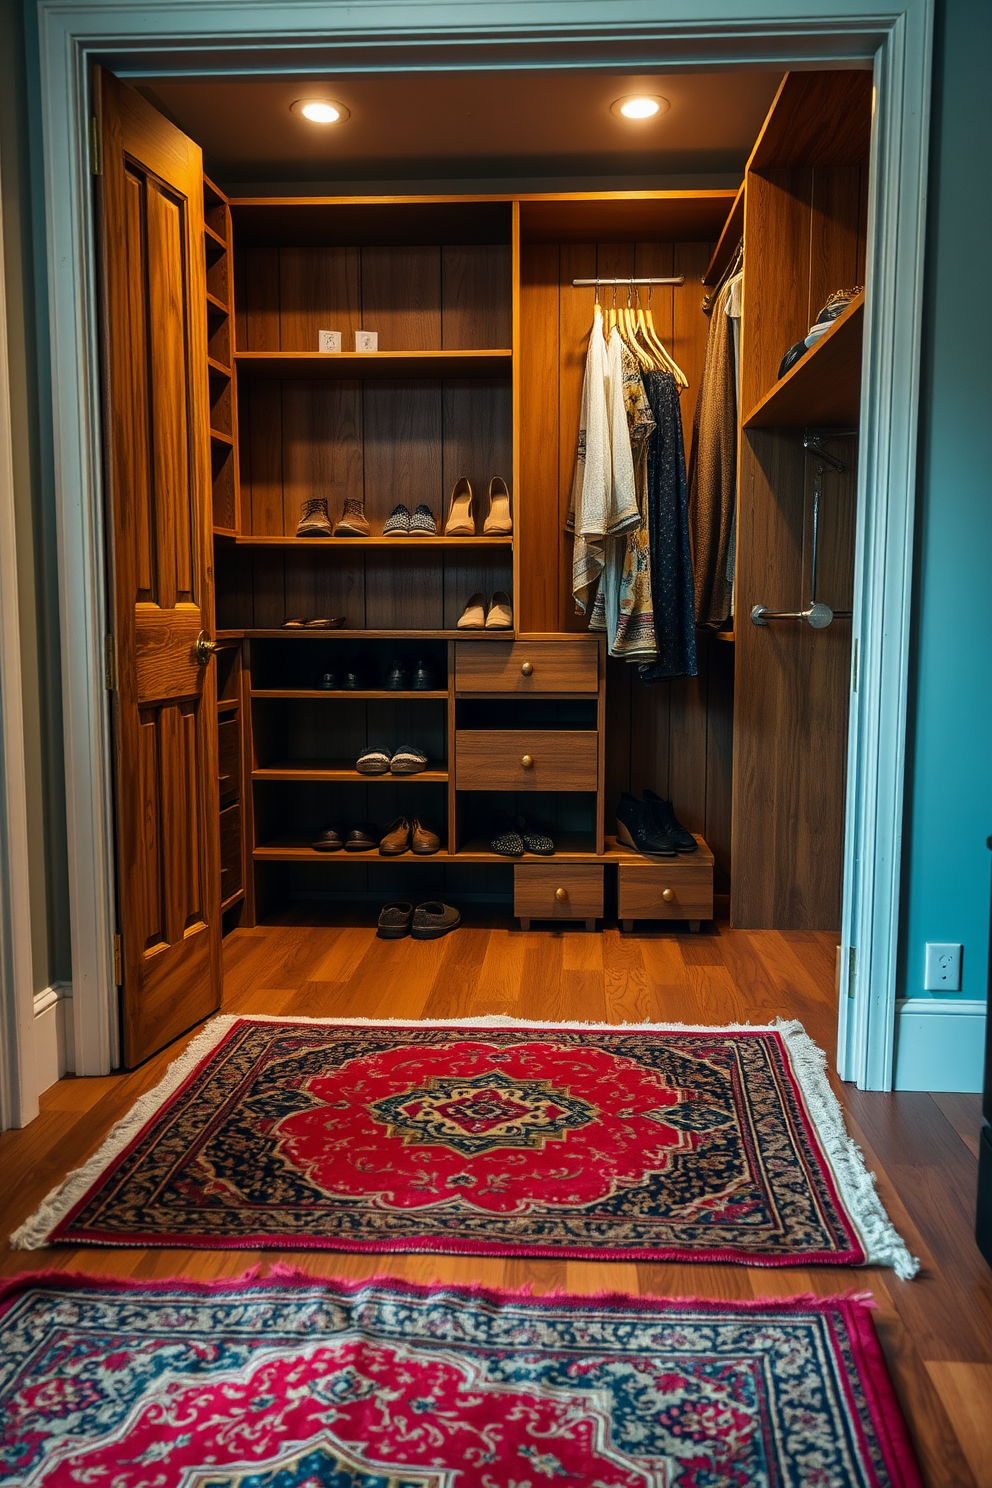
{"x": 299, "y": 1383}
{"x": 494, "y": 1137}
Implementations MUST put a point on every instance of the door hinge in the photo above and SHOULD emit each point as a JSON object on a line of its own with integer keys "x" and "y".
{"x": 96, "y": 147}
{"x": 854, "y": 666}
{"x": 118, "y": 962}
{"x": 852, "y": 969}
{"x": 109, "y": 664}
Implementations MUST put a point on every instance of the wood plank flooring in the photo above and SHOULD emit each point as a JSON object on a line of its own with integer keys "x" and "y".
{"x": 936, "y": 1330}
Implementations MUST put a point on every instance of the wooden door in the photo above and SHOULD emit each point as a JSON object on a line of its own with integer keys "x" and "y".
{"x": 150, "y": 216}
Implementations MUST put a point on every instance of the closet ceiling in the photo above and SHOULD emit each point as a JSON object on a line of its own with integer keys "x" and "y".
{"x": 460, "y": 125}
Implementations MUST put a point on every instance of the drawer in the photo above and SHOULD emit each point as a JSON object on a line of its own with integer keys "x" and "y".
{"x": 523, "y": 666}
{"x": 678, "y": 889}
{"x": 229, "y": 756}
{"x": 542, "y": 891}
{"x": 556, "y": 759}
{"x": 230, "y": 852}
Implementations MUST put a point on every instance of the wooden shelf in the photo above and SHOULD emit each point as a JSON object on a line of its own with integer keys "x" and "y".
{"x": 228, "y": 705}
{"x": 245, "y": 540}
{"x": 217, "y": 304}
{"x": 222, "y": 438}
{"x": 231, "y": 900}
{"x": 365, "y": 364}
{"x": 228, "y": 532}
{"x": 218, "y": 367}
{"x": 321, "y": 770}
{"x": 346, "y": 633}
{"x": 824, "y": 387}
{"x": 360, "y": 694}
{"x": 214, "y": 240}
{"x": 298, "y": 849}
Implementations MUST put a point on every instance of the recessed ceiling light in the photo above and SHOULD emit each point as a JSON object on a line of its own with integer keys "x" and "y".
{"x": 640, "y": 107}
{"x": 320, "y": 110}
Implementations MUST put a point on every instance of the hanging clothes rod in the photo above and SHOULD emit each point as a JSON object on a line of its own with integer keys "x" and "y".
{"x": 589, "y": 283}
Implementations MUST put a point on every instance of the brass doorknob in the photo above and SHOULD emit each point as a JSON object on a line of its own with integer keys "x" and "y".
{"x": 561, "y": 895}
{"x": 528, "y": 762}
{"x": 668, "y": 895}
{"x": 203, "y": 648}
{"x": 527, "y": 669}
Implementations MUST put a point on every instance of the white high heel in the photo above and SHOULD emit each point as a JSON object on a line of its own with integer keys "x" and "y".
{"x": 461, "y": 522}
{"x": 499, "y": 522}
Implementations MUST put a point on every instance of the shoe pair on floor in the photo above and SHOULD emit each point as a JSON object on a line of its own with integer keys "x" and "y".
{"x": 513, "y": 836}
{"x": 499, "y": 615}
{"x": 427, "y": 922}
{"x": 401, "y": 677}
{"x": 378, "y": 759}
{"x": 406, "y": 834}
{"x": 462, "y": 510}
{"x": 651, "y": 827}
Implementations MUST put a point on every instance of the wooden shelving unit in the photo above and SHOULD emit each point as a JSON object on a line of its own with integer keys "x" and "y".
{"x": 824, "y": 386}
{"x": 372, "y": 364}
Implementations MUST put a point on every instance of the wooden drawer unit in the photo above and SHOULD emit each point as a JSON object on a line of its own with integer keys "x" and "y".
{"x": 550, "y": 891}
{"x": 231, "y": 879}
{"x": 527, "y": 667}
{"x": 229, "y": 757}
{"x": 679, "y": 888}
{"x": 526, "y": 759}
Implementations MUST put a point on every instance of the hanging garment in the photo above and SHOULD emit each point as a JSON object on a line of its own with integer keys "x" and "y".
{"x": 603, "y": 500}
{"x": 671, "y": 556}
{"x": 713, "y": 469}
{"x": 623, "y": 603}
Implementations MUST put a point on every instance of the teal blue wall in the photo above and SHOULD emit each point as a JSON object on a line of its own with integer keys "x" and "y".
{"x": 949, "y": 779}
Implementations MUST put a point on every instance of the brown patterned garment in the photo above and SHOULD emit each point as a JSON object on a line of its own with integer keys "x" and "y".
{"x": 713, "y": 469}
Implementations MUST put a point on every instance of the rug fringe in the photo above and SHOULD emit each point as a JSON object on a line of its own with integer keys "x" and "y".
{"x": 33, "y": 1234}
{"x": 883, "y": 1245}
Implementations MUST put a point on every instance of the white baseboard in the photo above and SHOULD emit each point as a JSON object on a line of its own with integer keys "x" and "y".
{"x": 53, "y": 1034}
{"x": 940, "y": 1044}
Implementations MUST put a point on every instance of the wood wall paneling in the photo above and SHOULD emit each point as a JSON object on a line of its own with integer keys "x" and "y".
{"x": 537, "y": 520}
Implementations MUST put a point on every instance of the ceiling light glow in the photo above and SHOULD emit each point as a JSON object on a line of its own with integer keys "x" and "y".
{"x": 320, "y": 110}
{"x": 640, "y": 107}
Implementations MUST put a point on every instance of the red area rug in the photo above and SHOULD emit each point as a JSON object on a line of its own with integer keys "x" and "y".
{"x": 294, "y": 1383}
{"x": 497, "y": 1137}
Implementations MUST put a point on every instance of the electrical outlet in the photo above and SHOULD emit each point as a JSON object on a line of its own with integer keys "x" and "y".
{"x": 943, "y": 968}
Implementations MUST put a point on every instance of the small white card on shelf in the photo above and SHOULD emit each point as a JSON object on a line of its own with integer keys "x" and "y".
{"x": 329, "y": 340}
{"x": 366, "y": 340}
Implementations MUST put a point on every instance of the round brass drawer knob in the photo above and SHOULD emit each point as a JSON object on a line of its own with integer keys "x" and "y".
{"x": 528, "y": 761}
{"x": 527, "y": 669}
{"x": 668, "y": 895}
{"x": 561, "y": 895}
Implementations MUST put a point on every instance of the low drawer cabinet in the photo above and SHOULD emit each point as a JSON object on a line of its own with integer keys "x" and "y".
{"x": 550, "y": 891}
{"x": 527, "y": 667}
{"x": 679, "y": 888}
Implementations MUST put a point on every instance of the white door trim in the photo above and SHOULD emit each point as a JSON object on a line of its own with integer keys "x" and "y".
{"x": 305, "y": 37}
{"x": 18, "y": 1072}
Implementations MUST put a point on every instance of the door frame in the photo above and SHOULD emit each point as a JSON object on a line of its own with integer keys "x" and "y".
{"x": 303, "y": 38}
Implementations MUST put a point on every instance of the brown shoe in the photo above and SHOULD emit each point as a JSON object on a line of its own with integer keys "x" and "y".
{"x": 423, "y": 841}
{"x": 354, "y": 522}
{"x": 433, "y": 919}
{"x": 397, "y": 838}
{"x": 394, "y": 920}
{"x": 314, "y": 521}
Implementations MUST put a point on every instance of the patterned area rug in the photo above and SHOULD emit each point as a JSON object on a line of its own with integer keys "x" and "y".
{"x": 298, "y": 1383}
{"x": 494, "y": 1137}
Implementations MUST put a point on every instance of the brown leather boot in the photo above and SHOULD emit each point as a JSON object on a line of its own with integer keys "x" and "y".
{"x": 397, "y": 838}
{"x": 422, "y": 840}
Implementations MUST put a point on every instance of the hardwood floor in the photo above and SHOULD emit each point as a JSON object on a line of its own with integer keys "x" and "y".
{"x": 936, "y": 1330}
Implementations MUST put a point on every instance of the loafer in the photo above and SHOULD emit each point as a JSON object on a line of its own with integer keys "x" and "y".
{"x": 351, "y": 682}
{"x": 473, "y": 616}
{"x": 534, "y": 841}
{"x": 373, "y": 761}
{"x": 328, "y": 682}
{"x": 422, "y": 678}
{"x": 423, "y": 841}
{"x": 395, "y": 920}
{"x": 636, "y": 828}
{"x": 505, "y": 839}
{"x": 325, "y": 622}
{"x": 397, "y": 839}
{"x": 329, "y": 839}
{"x": 434, "y": 919}
{"x": 500, "y": 616}
{"x": 408, "y": 760}
{"x": 362, "y": 838}
{"x": 397, "y": 524}
{"x": 398, "y": 677}
{"x": 295, "y": 622}
{"x": 663, "y": 813}
{"x": 422, "y": 523}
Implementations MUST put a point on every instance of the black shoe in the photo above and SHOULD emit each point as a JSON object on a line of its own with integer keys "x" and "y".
{"x": 363, "y": 838}
{"x": 395, "y": 920}
{"x": 534, "y": 841}
{"x": 422, "y": 679}
{"x": 505, "y": 838}
{"x": 328, "y": 682}
{"x": 329, "y": 839}
{"x": 351, "y": 682}
{"x": 636, "y": 828}
{"x": 663, "y": 815}
{"x": 433, "y": 919}
{"x": 398, "y": 676}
